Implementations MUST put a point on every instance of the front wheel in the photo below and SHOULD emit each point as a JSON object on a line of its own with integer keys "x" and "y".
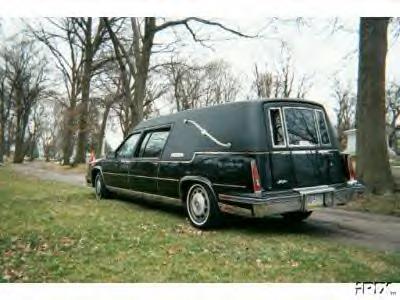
{"x": 296, "y": 216}
{"x": 100, "y": 188}
{"x": 202, "y": 207}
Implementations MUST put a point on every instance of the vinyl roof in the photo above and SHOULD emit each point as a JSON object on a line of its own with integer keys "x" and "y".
{"x": 245, "y": 104}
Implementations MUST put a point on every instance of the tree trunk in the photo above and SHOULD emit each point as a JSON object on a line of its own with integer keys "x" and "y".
{"x": 373, "y": 167}
{"x": 2, "y": 130}
{"x": 102, "y": 130}
{"x": 68, "y": 133}
{"x": 10, "y": 136}
{"x": 84, "y": 107}
{"x": 2, "y": 142}
{"x": 19, "y": 152}
{"x": 142, "y": 59}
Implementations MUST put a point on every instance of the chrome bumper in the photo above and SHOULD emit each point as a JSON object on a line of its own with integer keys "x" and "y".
{"x": 271, "y": 203}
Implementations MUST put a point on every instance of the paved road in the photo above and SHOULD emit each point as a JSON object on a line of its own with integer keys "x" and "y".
{"x": 364, "y": 229}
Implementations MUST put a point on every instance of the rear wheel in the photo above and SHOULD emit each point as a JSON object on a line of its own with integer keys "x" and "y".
{"x": 202, "y": 207}
{"x": 100, "y": 188}
{"x": 296, "y": 216}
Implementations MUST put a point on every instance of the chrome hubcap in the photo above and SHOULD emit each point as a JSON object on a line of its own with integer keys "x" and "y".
{"x": 199, "y": 204}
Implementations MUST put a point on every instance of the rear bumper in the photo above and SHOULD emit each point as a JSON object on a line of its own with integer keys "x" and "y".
{"x": 270, "y": 203}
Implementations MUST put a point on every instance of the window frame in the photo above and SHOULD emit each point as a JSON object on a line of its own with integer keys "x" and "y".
{"x": 149, "y": 132}
{"x": 272, "y": 129}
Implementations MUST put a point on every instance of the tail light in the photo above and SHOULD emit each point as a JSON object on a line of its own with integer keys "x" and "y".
{"x": 256, "y": 177}
{"x": 351, "y": 171}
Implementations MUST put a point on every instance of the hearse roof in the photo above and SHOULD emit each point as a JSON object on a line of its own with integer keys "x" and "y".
{"x": 252, "y": 104}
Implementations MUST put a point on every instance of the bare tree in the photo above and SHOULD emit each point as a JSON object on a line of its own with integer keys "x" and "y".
{"x": 392, "y": 110}
{"x": 60, "y": 38}
{"x": 263, "y": 83}
{"x": 26, "y": 77}
{"x": 373, "y": 166}
{"x": 35, "y": 128}
{"x": 5, "y": 108}
{"x": 91, "y": 43}
{"x": 345, "y": 111}
{"x": 220, "y": 84}
{"x": 185, "y": 83}
{"x": 50, "y": 129}
{"x": 134, "y": 57}
{"x": 193, "y": 85}
{"x": 282, "y": 82}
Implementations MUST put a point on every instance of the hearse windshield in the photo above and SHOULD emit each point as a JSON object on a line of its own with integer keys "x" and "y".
{"x": 305, "y": 127}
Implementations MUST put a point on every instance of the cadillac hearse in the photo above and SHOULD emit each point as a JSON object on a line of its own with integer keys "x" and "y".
{"x": 256, "y": 158}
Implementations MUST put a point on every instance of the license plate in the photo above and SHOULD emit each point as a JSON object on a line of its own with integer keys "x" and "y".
{"x": 315, "y": 200}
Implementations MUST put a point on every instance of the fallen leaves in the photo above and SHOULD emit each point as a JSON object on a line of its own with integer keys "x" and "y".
{"x": 187, "y": 230}
{"x": 11, "y": 275}
{"x": 67, "y": 241}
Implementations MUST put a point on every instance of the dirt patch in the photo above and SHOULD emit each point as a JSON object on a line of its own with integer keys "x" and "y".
{"x": 49, "y": 171}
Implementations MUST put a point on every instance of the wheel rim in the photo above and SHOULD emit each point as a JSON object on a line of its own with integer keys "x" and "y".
{"x": 98, "y": 188}
{"x": 198, "y": 205}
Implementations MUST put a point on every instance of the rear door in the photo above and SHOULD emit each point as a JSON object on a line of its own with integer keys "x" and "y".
{"x": 316, "y": 160}
{"x": 281, "y": 166}
{"x": 302, "y": 139}
{"x": 331, "y": 163}
{"x": 303, "y": 153}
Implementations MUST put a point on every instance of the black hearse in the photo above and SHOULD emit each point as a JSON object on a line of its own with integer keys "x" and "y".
{"x": 256, "y": 158}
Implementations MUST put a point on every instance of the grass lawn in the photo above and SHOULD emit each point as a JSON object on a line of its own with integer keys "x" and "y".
{"x": 52, "y": 232}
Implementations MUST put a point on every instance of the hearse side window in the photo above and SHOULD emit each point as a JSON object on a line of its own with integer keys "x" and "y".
{"x": 153, "y": 143}
{"x": 323, "y": 129}
{"x": 275, "y": 118}
{"x": 126, "y": 150}
{"x": 300, "y": 124}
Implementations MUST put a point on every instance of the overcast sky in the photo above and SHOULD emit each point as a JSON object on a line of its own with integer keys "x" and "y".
{"x": 315, "y": 49}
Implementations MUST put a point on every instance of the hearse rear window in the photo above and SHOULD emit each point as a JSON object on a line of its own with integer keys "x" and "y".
{"x": 301, "y": 126}
{"x": 153, "y": 143}
{"x": 323, "y": 129}
{"x": 275, "y": 118}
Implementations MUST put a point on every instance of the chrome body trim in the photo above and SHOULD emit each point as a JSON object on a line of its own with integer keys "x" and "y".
{"x": 207, "y": 134}
{"x": 229, "y": 185}
{"x": 116, "y": 174}
{"x": 314, "y": 190}
{"x": 234, "y": 153}
{"x": 138, "y": 194}
{"x": 142, "y": 176}
{"x": 172, "y": 179}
